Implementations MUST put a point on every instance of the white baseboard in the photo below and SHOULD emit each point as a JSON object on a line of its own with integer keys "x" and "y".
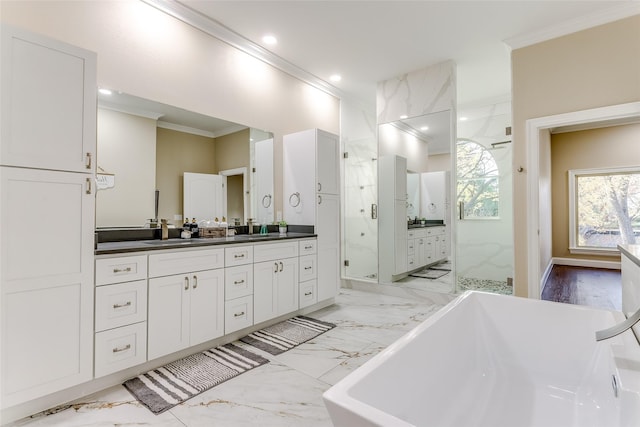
{"x": 545, "y": 276}
{"x": 574, "y": 262}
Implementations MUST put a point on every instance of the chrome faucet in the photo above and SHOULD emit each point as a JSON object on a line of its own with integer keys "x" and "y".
{"x": 165, "y": 229}
{"x": 250, "y": 225}
{"x": 619, "y": 328}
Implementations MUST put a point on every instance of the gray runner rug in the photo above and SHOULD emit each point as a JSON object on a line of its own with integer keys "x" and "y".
{"x": 165, "y": 387}
{"x": 285, "y": 335}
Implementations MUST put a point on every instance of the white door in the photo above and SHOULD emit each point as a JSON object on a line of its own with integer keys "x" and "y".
{"x": 299, "y": 182}
{"x": 264, "y": 302}
{"x": 48, "y": 103}
{"x": 264, "y": 181}
{"x": 204, "y": 196}
{"x": 287, "y": 286}
{"x": 327, "y": 149}
{"x": 207, "y": 305}
{"x": 168, "y": 319}
{"x": 46, "y": 267}
{"x": 328, "y": 231}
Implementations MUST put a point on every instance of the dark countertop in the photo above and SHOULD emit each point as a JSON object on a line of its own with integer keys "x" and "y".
{"x": 157, "y": 244}
{"x": 427, "y": 225}
{"x": 632, "y": 252}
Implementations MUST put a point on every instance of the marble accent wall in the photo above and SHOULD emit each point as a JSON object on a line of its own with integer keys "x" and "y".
{"x": 485, "y": 247}
{"x": 417, "y": 93}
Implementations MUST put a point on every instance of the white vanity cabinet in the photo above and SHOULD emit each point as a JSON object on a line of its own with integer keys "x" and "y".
{"x": 308, "y": 273}
{"x": 275, "y": 275}
{"x": 47, "y": 146}
{"x": 238, "y": 288}
{"x": 186, "y": 299}
{"x": 393, "y": 255}
{"x": 312, "y": 197}
{"x": 120, "y": 313}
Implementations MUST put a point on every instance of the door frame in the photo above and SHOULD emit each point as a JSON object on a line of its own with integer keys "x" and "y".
{"x": 245, "y": 189}
{"x": 538, "y": 139}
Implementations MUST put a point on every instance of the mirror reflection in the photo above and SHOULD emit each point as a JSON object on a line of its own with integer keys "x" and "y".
{"x": 145, "y": 148}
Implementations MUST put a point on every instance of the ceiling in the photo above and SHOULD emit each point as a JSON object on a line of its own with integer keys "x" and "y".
{"x": 370, "y": 41}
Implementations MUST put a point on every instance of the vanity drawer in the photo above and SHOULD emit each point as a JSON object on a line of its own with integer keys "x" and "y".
{"x": 307, "y": 268}
{"x": 120, "y": 269}
{"x": 120, "y": 304}
{"x": 120, "y": 348}
{"x": 308, "y": 293}
{"x": 238, "y": 314}
{"x": 271, "y": 251}
{"x": 307, "y": 247}
{"x": 411, "y": 246}
{"x": 168, "y": 263}
{"x": 238, "y": 281}
{"x": 411, "y": 262}
{"x": 238, "y": 255}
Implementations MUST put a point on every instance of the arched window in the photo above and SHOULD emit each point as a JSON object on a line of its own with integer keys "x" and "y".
{"x": 477, "y": 183}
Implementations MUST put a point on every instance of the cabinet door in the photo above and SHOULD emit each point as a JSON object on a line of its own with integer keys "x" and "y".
{"x": 328, "y": 231}
{"x": 299, "y": 177}
{"x": 430, "y": 249}
{"x": 400, "y": 236}
{"x": 168, "y": 319}
{"x": 207, "y": 305}
{"x": 327, "y": 167}
{"x": 287, "y": 286}
{"x": 46, "y": 267}
{"x": 264, "y": 298}
{"x": 65, "y": 135}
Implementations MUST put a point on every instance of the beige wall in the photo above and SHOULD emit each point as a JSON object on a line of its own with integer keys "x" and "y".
{"x": 597, "y": 148}
{"x": 232, "y": 151}
{"x": 177, "y": 153}
{"x": 127, "y": 149}
{"x": 439, "y": 162}
{"x": 588, "y": 69}
{"x": 145, "y": 52}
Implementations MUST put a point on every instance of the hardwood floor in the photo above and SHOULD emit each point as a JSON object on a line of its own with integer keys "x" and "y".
{"x": 594, "y": 287}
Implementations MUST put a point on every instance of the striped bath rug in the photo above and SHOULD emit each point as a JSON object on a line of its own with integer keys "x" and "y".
{"x": 285, "y": 335}
{"x": 169, "y": 385}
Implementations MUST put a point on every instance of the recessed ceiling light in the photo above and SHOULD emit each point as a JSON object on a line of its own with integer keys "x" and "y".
{"x": 104, "y": 91}
{"x": 335, "y": 78}
{"x": 462, "y": 119}
{"x": 269, "y": 39}
{"x": 424, "y": 128}
{"x": 404, "y": 116}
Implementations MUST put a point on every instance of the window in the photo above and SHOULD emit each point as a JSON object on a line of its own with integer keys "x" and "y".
{"x": 477, "y": 183}
{"x": 604, "y": 210}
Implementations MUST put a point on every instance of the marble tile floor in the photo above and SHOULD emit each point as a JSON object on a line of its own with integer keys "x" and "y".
{"x": 285, "y": 392}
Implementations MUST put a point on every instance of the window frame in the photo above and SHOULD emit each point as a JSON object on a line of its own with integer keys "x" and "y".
{"x": 574, "y": 174}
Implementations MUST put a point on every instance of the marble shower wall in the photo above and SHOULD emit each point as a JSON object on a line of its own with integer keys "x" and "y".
{"x": 417, "y": 93}
{"x": 485, "y": 247}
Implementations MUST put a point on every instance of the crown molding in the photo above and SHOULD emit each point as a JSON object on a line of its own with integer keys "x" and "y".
{"x": 230, "y": 37}
{"x": 574, "y": 25}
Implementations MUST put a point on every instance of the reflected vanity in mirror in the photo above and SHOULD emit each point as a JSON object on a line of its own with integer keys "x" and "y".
{"x": 145, "y": 148}
{"x": 414, "y": 193}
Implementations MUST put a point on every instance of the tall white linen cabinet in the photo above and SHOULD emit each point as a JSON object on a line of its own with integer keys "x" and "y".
{"x": 47, "y": 215}
{"x": 312, "y": 197}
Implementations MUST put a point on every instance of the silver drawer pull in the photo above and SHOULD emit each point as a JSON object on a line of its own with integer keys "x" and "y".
{"x": 122, "y": 270}
{"x": 121, "y": 349}
{"x": 306, "y": 294}
{"x": 117, "y": 306}
{"x": 238, "y": 282}
{"x": 308, "y": 268}
{"x": 309, "y": 247}
{"x": 239, "y": 314}
{"x": 238, "y": 256}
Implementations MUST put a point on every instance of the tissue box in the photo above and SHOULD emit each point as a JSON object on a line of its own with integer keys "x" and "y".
{"x": 211, "y": 232}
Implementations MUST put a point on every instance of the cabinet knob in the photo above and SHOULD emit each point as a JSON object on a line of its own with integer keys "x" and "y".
{"x": 281, "y": 266}
{"x": 186, "y": 283}
{"x": 195, "y": 281}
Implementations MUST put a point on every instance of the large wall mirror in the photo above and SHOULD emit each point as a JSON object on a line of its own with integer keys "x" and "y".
{"x": 145, "y": 148}
{"x": 425, "y": 142}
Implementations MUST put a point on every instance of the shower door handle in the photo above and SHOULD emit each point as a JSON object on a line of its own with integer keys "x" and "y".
{"x": 374, "y": 211}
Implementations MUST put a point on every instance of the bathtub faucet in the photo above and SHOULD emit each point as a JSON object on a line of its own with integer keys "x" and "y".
{"x": 619, "y": 328}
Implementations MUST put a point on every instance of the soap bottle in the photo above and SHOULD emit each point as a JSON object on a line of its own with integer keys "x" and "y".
{"x": 195, "y": 232}
{"x": 186, "y": 225}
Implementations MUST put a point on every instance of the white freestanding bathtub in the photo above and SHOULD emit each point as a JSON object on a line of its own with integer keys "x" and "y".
{"x": 493, "y": 360}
